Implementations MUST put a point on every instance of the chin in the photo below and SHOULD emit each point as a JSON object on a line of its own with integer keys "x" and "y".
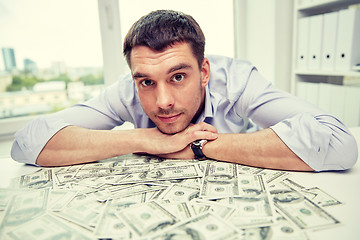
{"x": 170, "y": 129}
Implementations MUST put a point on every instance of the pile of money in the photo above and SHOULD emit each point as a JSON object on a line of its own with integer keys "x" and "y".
{"x": 143, "y": 197}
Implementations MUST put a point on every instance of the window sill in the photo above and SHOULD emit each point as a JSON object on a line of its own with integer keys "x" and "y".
{"x": 12, "y": 125}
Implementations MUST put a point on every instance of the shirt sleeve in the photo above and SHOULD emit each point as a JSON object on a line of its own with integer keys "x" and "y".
{"x": 319, "y": 139}
{"x": 102, "y": 112}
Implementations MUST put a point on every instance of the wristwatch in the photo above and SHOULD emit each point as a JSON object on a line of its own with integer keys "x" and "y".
{"x": 197, "y": 146}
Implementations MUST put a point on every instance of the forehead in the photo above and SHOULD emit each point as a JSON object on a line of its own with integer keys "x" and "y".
{"x": 145, "y": 58}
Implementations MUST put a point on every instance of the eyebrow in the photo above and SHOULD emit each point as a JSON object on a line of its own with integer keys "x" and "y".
{"x": 179, "y": 67}
{"x": 171, "y": 70}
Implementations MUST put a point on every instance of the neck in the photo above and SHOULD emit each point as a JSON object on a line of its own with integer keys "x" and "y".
{"x": 201, "y": 107}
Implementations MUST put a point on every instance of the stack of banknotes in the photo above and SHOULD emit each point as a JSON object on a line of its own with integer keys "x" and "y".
{"x": 142, "y": 197}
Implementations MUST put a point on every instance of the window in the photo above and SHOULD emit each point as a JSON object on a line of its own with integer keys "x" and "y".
{"x": 50, "y": 48}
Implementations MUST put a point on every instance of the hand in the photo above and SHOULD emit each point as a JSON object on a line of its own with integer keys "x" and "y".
{"x": 185, "y": 153}
{"x": 160, "y": 144}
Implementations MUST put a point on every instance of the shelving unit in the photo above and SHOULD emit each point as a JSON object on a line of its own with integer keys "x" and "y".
{"x": 322, "y": 6}
{"x": 333, "y": 91}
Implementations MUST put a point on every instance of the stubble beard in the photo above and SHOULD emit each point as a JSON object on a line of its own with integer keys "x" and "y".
{"x": 172, "y": 128}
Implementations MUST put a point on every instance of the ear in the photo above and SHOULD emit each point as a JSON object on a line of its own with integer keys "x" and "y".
{"x": 205, "y": 72}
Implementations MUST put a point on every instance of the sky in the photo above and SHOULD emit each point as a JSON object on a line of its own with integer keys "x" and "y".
{"x": 47, "y": 31}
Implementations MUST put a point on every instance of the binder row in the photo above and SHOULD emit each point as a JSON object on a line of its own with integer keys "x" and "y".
{"x": 329, "y": 42}
{"x": 341, "y": 101}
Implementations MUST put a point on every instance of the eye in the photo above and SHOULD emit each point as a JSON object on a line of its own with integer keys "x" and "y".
{"x": 178, "y": 77}
{"x": 146, "y": 82}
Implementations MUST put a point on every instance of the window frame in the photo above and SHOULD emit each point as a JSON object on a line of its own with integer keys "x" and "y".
{"x": 113, "y": 62}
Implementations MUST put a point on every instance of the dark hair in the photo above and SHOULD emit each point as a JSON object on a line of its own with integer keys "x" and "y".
{"x": 162, "y": 28}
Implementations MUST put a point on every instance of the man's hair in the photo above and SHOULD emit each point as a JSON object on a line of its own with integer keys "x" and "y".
{"x": 162, "y": 28}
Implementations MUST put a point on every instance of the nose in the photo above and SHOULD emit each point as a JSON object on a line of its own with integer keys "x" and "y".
{"x": 164, "y": 97}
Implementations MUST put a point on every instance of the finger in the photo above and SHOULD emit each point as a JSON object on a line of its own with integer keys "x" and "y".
{"x": 204, "y": 135}
{"x": 201, "y": 131}
{"x": 202, "y": 126}
{"x": 208, "y": 127}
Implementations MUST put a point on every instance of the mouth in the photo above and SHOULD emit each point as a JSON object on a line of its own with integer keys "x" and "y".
{"x": 169, "y": 118}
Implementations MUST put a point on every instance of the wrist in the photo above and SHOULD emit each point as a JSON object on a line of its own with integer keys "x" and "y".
{"x": 133, "y": 140}
{"x": 197, "y": 148}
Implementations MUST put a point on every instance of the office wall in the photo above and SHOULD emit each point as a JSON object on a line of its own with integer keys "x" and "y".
{"x": 263, "y": 32}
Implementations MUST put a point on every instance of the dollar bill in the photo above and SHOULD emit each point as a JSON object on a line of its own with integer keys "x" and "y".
{"x": 59, "y": 199}
{"x": 147, "y": 219}
{"x": 167, "y": 173}
{"x": 315, "y": 194}
{"x": 269, "y": 175}
{"x": 99, "y": 170}
{"x": 127, "y": 190}
{"x": 39, "y": 179}
{"x": 24, "y": 207}
{"x": 292, "y": 184}
{"x": 6, "y": 195}
{"x": 142, "y": 161}
{"x": 110, "y": 225}
{"x": 253, "y": 206}
{"x": 299, "y": 209}
{"x": 194, "y": 182}
{"x": 64, "y": 177}
{"x": 285, "y": 229}
{"x": 2, "y": 214}
{"x": 320, "y": 197}
{"x": 220, "y": 180}
{"x": 46, "y": 227}
{"x": 181, "y": 210}
{"x": 86, "y": 215}
{"x": 248, "y": 169}
{"x": 206, "y": 226}
{"x": 99, "y": 182}
{"x": 282, "y": 230}
{"x": 180, "y": 193}
{"x": 200, "y": 206}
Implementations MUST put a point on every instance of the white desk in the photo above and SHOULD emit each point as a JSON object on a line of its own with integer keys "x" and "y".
{"x": 344, "y": 186}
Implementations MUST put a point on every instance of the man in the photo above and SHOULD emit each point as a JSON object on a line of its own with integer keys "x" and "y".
{"x": 176, "y": 96}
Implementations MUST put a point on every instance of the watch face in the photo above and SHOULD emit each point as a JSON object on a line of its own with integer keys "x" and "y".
{"x": 199, "y": 143}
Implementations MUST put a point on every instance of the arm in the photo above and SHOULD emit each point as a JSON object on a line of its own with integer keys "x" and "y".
{"x": 249, "y": 149}
{"x": 260, "y": 149}
{"x": 74, "y": 145}
{"x": 296, "y": 135}
{"x": 82, "y": 132}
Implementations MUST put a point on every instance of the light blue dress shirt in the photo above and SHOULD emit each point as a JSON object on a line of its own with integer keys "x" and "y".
{"x": 238, "y": 100}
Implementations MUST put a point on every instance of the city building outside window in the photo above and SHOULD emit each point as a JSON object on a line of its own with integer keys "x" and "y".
{"x": 51, "y": 55}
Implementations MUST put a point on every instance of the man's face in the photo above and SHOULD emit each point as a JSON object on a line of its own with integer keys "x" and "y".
{"x": 170, "y": 85}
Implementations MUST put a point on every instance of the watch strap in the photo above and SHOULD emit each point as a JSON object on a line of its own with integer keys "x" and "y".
{"x": 197, "y": 147}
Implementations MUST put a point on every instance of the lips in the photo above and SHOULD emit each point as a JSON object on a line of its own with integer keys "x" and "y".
{"x": 169, "y": 118}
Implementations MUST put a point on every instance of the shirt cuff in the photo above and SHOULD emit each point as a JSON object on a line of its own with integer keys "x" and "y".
{"x": 306, "y": 137}
{"x": 30, "y": 140}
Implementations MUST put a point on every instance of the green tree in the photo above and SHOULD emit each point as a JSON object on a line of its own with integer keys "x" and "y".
{"x": 91, "y": 79}
{"x": 62, "y": 77}
{"x": 20, "y": 82}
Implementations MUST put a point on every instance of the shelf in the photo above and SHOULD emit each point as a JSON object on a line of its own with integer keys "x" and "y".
{"x": 326, "y": 4}
{"x": 329, "y": 73}
{"x": 335, "y": 91}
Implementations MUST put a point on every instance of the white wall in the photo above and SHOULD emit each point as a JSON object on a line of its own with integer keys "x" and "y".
{"x": 214, "y": 17}
{"x": 263, "y": 30}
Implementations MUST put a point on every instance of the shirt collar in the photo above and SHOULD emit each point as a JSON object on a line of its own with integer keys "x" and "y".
{"x": 208, "y": 109}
